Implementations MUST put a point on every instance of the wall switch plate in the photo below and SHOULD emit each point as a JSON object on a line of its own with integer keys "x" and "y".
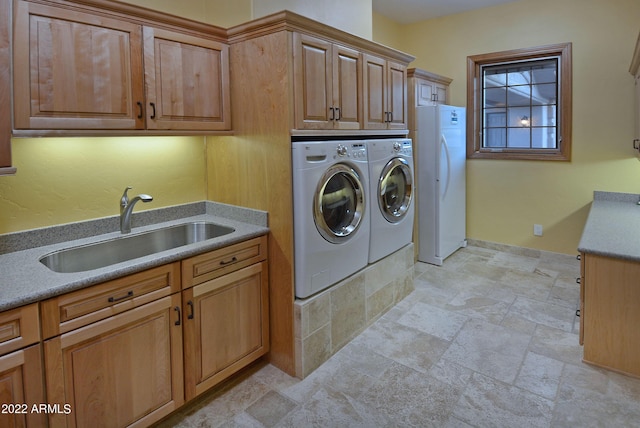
{"x": 537, "y": 229}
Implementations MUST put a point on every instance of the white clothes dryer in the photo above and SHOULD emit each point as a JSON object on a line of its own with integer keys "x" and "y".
{"x": 391, "y": 195}
{"x": 330, "y": 212}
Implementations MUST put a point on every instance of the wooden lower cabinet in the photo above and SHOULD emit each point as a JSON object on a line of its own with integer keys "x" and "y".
{"x": 126, "y": 370}
{"x": 609, "y": 316}
{"x": 226, "y": 326}
{"x": 21, "y": 389}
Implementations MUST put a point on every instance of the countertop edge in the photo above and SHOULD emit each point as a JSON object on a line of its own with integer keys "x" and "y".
{"x": 612, "y": 228}
{"x": 25, "y": 280}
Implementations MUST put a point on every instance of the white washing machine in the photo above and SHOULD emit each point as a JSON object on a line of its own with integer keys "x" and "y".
{"x": 391, "y": 195}
{"x": 330, "y": 212}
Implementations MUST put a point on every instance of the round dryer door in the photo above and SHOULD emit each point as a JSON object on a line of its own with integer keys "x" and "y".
{"x": 339, "y": 203}
{"x": 395, "y": 190}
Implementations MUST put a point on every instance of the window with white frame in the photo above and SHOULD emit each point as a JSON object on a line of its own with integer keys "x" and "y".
{"x": 521, "y": 103}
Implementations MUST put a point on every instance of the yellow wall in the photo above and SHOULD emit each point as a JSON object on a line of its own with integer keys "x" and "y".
{"x": 387, "y": 31}
{"x": 505, "y": 198}
{"x": 62, "y": 180}
{"x": 223, "y": 13}
{"x": 352, "y": 16}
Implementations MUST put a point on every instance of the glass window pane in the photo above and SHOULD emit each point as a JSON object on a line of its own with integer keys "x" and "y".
{"x": 544, "y": 73}
{"x": 495, "y": 137}
{"x": 519, "y": 117}
{"x": 519, "y": 95}
{"x": 495, "y": 97}
{"x": 519, "y": 138}
{"x": 521, "y": 76}
{"x": 543, "y": 115}
{"x": 493, "y": 78}
{"x": 495, "y": 117}
{"x": 544, "y": 94}
{"x": 544, "y": 138}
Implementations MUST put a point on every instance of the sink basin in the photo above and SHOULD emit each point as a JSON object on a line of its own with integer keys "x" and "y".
{"x": 101, "y": 254}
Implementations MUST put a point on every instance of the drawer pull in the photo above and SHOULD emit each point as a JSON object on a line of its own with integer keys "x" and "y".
{"x": 117, "y": 299}
{"x": 191, "y": 310}
{"x": 179, "y": 321}
{"x": 226, "y": 262}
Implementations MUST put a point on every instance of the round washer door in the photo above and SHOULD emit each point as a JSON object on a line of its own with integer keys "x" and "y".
{"x": 338, "y": 204}
{"x": 395, "y": 190}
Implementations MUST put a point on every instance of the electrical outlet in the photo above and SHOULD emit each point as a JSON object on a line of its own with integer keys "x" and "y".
{"x": 537, "y": 229}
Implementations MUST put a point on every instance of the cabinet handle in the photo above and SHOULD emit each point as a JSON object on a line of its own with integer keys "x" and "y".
{"x": 192, "y": 310}
{"x": 153, "y": 110}
{"x": 635, "y": 144}
{"x": 577, "y": 280}
{"x": 577, "y": 312}
{"x": 339, "y": 114}
{"x": 333, "y": 114}
{"x": 139, "y": 110}
{"x": 226, "y": 262}
{"x": 179, "y": 321}
{"x": 116, "y": 299}
{"x": 390, "y": 116}
{"x": 578, "y": 257}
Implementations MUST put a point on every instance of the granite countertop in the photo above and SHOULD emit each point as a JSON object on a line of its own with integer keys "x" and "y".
{"x": 25, "y": 280}
{"x": 613, "y": 226}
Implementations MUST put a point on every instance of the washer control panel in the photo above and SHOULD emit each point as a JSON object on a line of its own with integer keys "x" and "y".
{"x": 357, "y": 151}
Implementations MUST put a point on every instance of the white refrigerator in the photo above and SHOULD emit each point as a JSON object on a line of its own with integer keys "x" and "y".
{"x": 441, "y": 187}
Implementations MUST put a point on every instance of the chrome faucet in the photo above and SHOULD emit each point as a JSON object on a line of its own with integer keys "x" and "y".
{"x": 126, "y": 208}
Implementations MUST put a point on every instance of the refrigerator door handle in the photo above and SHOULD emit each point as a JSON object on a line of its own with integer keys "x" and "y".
{"x": 443, "y": 142}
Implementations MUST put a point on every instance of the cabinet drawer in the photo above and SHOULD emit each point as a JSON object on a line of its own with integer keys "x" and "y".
{"x": 204, "y": 267}
{"x": 19, "y": 327}
{"x": 70, "y": 311}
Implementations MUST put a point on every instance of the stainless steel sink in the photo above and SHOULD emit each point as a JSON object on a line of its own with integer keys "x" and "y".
{"x": 106, "y": 253}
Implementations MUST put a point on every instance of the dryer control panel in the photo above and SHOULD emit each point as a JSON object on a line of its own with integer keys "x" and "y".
{"x": 403, "y": 147}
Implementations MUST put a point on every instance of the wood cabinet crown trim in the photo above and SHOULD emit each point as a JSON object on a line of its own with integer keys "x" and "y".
{"x": 290, "y": 21}
{"x": 143, "y": 16}
{"x": 423, "y": 74}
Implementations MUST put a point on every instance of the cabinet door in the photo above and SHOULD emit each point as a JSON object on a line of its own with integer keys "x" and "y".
{"x": 187, "y": 81}
{"x": 21, "y": 385}
{"x": 313, "y": 82}
{"x": 441, "y": 94}
{"x": 347, "y": 88}
{"x": 5, "y": 88}
{"x": 78, "y": 71}
{"x": 374, "y": 93}
{"x": 425, "y": 92}
{"x": 226, "y": 326}
{"x": 126, "y": 370}
{"x": 397, "y": 95}
{"x": 610, "y": 317}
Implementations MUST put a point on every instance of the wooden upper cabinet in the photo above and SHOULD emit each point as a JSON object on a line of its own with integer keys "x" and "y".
{"x": 426, "y": 88}
{"x": 74, "y": 70}
{"x": 328, "y": 84}
{"x": 87, "y": 70}
{"x": 187, "y": 80}
{"x": 385, "y": 94}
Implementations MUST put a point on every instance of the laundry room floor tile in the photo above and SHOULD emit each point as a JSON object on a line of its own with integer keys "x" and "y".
{"x": 489, "y": 339}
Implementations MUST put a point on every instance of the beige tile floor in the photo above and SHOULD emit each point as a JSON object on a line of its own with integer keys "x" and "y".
{"x": 490, "y": 339}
